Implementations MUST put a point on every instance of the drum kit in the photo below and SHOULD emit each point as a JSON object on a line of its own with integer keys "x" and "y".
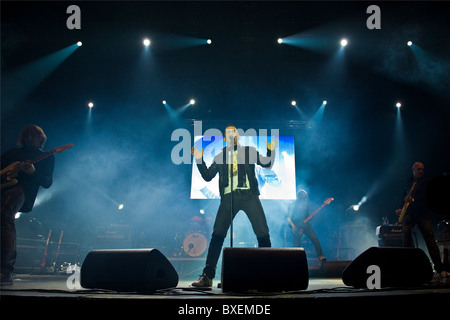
{"x": 194, "y": 244}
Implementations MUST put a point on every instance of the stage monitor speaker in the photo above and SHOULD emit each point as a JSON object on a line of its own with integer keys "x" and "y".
{"x": 399, "y": 267}
{"x": 264, "y": 269}
{"x": 142, "y": 270}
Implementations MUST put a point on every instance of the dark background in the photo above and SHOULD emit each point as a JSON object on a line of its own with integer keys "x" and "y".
{"x": 362, "y": 147}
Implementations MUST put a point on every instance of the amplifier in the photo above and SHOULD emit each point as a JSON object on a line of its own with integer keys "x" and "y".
{"x": 390, "y": 235}
{"x": 30, "y": 253}
{"x": 114, "y": 232}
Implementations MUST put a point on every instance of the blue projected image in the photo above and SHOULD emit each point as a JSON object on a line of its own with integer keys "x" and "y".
{"x": 275, "y": 183}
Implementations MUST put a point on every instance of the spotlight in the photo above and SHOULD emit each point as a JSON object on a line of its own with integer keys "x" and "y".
{"x": 344, "y": 42}
{"x": 90, "y": 104}
{"x": 398, "y": 104}
{"x": 209, "y": 41}
{"x": 409, "y": 43}
{"x": 164, "y": 102}
{"x": 192, "y": 101}
{"x": 324, "y": 102}
{"x": 146, "y": 42}
{"x": 202, "y": 211}
{"x": 356, "y": 207}
{"x": 293, "y": 103}
{"x": 120, "y": 207}
{"x": 79, "y": 43}
{"x": 280, "y": 40}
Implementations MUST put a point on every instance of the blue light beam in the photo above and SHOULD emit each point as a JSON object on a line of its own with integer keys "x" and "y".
{"x": 318, "y": 115}
{"x": 21, "y": 82}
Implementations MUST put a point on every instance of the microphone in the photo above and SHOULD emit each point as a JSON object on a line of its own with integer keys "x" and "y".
{"x": 232, "y": 139}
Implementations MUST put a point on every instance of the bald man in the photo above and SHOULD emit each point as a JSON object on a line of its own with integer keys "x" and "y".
{"x": 417, "y": 214}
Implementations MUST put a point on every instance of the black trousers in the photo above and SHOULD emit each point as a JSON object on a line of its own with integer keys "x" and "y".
{"x": 246, "y": 202}
{"x": 12, "y": 200}
{"x": 425, "y": 226}
{"x": 307, "y": 230}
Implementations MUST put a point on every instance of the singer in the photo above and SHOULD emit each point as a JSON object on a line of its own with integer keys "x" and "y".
{"x": 238, "y": 189}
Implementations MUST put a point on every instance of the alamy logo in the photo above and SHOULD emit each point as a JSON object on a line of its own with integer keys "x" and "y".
{"x": 74, "y": 20}
{"x": 181, "y": 152}
{"x": 73, "y": 282}
{"x": 374, "y": 21}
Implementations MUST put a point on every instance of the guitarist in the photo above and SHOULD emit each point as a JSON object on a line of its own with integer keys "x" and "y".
{"x": 417, "y": 214}
{"x": 21, "y": 196}
{"x": 299, "y": 211}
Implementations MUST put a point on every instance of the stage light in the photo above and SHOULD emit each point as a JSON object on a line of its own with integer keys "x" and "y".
{"x": 192, "y": 101}
{"x": 202, "y": 211}
{"x": 164, "y": 102}
{"x": 344, "y": 42}
{"x": 409, "y": 43}
{"x": 356, "y": 207}
{"x": 120, "y": 207}
{"x": 79, "y": 43}
{"x": 324, "y": 102}
{"x": 280, "y": 40}
{"x": 146, "y": 42}
{"x": 209, "y": 41}
{"x": 90, "y": 104}
{"x": 293, "y": 103}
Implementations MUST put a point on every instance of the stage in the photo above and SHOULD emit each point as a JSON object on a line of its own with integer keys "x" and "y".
{"x": 346, "y": 95}
{"x": 324, "y": 296}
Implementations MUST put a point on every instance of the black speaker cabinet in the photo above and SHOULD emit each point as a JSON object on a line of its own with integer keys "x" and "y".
{"x": 399, "y": 267}
{"x": 264, "y": 269}
{"x": 143, "y": 270}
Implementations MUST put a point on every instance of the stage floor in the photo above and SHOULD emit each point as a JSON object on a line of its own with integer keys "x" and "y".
{"x": 327, "y": 296}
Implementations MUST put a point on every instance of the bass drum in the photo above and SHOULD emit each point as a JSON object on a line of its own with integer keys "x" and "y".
{"x": 194, "y": 244}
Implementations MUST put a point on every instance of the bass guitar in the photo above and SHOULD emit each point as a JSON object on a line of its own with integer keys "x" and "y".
{"x": 408, "y": 202}
{"x": 9, "y": 174}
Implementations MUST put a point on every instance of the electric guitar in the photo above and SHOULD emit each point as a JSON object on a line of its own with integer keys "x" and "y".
{"x": 312, "y": 215}
{"x": 407, "y": 203}
{"x": 9, "y": 174}
{"x": 44, "y": 258}
{"x": 54, "y": 267}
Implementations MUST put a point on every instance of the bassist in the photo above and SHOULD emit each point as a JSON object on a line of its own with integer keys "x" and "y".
{"x": 21, "y": 196}
{"x": 299, "y": 212}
